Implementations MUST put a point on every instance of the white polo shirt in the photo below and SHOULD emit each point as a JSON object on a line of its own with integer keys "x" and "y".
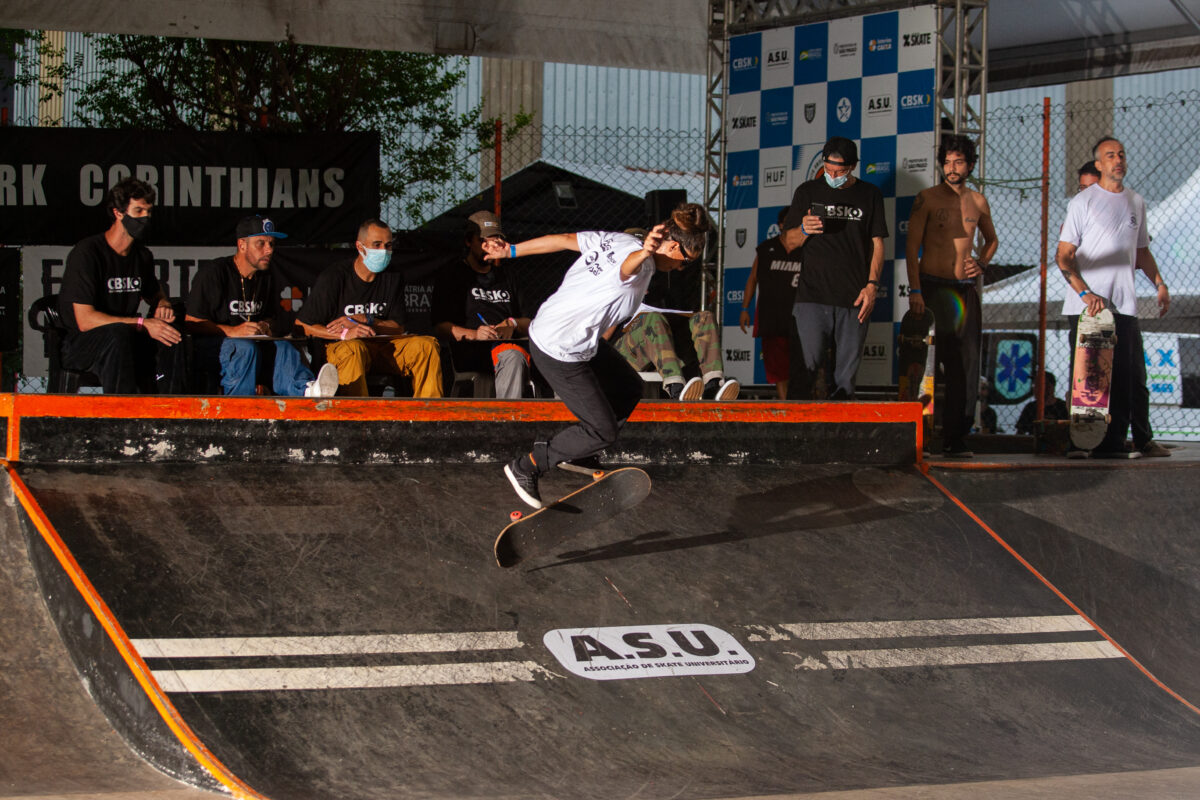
{"x": 1107, "y": 228}
{"x": 592, "y": 297}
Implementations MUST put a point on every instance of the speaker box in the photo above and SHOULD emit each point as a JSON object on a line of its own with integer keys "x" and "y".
{"x": 661, "y": 202}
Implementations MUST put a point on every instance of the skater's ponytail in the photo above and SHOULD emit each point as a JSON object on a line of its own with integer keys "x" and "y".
{"x": 689, "y": 225}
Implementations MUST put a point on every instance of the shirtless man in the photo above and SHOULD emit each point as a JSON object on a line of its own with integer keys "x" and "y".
{"x": 945, "y": 220}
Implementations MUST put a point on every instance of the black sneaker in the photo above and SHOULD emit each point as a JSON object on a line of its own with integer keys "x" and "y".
{"x": 524, "y": 484}
{"x": 584, "y": 466}
{"x": 957, "y": 450}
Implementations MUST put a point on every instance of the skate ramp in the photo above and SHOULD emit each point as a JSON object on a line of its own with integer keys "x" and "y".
{"x": 342, "y": 631}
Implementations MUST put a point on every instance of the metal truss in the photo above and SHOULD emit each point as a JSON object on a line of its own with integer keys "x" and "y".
{"x": 962, "y": 69}
{"x": 713, "y": 269}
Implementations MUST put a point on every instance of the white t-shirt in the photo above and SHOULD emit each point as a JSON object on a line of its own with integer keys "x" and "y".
{"x": 1107, "y": 228}
{"x": 592, "y": 297}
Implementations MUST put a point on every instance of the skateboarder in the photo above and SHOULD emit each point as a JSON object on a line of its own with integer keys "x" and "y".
{"x": 942, "y": 276}
{"x": 1102, "y": 244}
{"x": 604, "y": 286}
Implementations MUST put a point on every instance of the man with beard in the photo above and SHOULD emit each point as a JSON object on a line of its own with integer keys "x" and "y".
{"x": 943, "y": 268}
{"x": 233, "y": 303}
{"x": 107, "y": 277}
{"x": 1102, "y": 244}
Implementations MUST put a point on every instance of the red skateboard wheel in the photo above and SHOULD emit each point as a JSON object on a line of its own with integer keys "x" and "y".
{"x": 515, "y": 515}
{"x": 598, "y": 474}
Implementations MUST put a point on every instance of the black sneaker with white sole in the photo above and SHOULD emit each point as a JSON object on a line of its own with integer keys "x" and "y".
{"x": 524, "y": 484}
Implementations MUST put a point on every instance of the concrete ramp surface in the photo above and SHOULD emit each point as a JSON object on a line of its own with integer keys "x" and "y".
{"x": 342, "y": 631}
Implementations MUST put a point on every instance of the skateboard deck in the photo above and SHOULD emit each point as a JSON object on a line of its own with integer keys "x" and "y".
{"x": 1091, "y": 378}
{"x": 917, "y": 360}
{"x": 585, "y": 508}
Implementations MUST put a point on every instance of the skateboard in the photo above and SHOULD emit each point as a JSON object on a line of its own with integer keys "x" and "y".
{"x": 1090, "y": 378}
{"x": 917, "y": 360}
{"x": 607, "y": 495}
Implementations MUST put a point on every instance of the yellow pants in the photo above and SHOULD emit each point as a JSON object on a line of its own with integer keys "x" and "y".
{"x": 416, "y": 357}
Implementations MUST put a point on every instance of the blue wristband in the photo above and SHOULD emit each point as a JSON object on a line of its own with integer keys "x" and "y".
{"x": 1085, "y": 291}
{"x": 914, "y": 291}
{"x": 512, "y": 251}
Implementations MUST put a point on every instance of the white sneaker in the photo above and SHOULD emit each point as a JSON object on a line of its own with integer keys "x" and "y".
{"x": 729, "y": 391}
{"x": 326, "y": 384}
{"x": 692, "y": 390}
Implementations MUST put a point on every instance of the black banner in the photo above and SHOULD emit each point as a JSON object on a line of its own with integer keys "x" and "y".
{"x": 317, "y": 188}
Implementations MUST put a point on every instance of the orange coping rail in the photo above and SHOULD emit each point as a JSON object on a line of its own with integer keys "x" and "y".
{"x": 116, "y": 634}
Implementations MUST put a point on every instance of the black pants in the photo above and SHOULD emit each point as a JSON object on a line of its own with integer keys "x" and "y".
{"x": 601, "y": 393}
{"x": 1129, "y": 399}
{"x": 958, "y": 322}
{"x": 126, "y": 360}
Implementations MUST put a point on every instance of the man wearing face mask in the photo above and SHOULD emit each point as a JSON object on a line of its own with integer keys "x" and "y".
{"x": 839, "y": 222}
{"x": 107, "y": 277}
{"x": 359, "y": 307}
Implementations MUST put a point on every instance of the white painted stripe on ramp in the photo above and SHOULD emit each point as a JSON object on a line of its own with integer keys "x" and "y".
{"x": 315, "y": 678}
{"x": 961, "y": 656}
{"x": 893, "y": 629}
{"x": 265, "y": 646}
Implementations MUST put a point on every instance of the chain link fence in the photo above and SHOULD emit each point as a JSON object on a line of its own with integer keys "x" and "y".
{"x": 1159, "y": 135}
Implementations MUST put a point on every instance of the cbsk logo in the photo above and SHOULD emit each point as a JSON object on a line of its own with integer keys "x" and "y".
{"x": 911, "y": 101}
{"x": 124, "y": 284}
{"x": 651, "y": 651}
{"x": 735, "y": 295}
{"x": 245, "y": 308}
{"x": 744, "y": 62}
{"x": 374, "y": 309}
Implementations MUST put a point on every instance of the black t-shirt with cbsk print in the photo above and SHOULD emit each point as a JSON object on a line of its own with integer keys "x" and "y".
{"x": 461, "y": 296}
{"x": 220, "y": 294}
{"x": 339, "y": 292}
{"x": 837, "y": 261}
{"x": 100, "y": 277}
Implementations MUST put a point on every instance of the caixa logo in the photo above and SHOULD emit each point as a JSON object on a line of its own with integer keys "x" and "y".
{"x": 648, "y": 651}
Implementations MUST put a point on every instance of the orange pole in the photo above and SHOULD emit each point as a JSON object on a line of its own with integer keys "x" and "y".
{"x": 499, "y": 154}
{"x": 1039, "y": 382}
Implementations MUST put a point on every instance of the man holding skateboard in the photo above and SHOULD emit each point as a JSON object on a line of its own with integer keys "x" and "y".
{"x": 943, "y": 270}
{"x": 1102, "y": 244}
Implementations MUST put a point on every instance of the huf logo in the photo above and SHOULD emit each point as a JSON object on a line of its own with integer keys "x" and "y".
{"x": 774, "y": 176}
{"x": 650, "y": 651}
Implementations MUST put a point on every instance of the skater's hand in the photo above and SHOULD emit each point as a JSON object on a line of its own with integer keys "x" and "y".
{"x": 164, "y": 311}
{"x": 495, "y": 248}
{"x": 1164, "y": 300}
{"x": 1095, "y": 303}
{"x": 811, "y": 224}
{"x": 916, "y": 303}
{"x": 654, "y": 238}
{"x": 744, "y": 320}
{"x": 484, "y": 332}
{"x": 865, "y": 302}
{"x": 972, "y": 267}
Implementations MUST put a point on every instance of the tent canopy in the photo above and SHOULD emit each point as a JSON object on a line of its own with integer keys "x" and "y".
{"x": 1031, "y": 42}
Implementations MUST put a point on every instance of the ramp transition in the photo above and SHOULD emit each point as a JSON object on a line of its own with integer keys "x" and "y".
{"x": 340, "y": 630}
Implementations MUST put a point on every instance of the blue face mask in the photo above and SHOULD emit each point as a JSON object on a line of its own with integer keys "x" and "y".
{"x": 376, "y": 260}
{"x": 836, "y": 183}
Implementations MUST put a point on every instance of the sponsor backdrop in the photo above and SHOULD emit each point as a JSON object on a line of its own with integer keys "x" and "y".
{"x": 870, "y": 79}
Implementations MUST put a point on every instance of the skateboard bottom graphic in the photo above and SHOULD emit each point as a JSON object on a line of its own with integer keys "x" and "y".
{"x": 585, "y": 508}
{"x": 1091, "y": 379}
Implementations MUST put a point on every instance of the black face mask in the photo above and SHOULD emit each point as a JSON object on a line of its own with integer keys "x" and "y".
{"x": 135, "y": 226}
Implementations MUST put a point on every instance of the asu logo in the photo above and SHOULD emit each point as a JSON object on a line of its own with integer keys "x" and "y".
{"x": 778, "y": 58}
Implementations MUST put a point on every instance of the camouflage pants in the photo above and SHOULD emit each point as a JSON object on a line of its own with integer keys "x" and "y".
{"x": 648, "y": 340}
